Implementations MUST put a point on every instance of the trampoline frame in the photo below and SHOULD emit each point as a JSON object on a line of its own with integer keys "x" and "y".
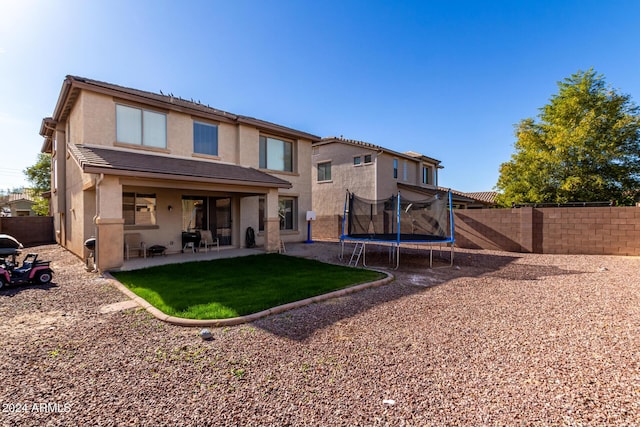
{"x": 394, "y": 244}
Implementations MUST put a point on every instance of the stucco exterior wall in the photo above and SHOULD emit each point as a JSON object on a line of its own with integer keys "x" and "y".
{"x": 227, "y": 143}
{"x": 89, "y": 205}
{"x": 179, "y": 134}
{"x": 93, "y": 122}
{"x": 301, "y": 181}
{"x": 94, "y": 117}
{"x": 329, "y": 196}
{"x": 373, "y": 181}
{"x": 75, "y": 215}
{"x": 248, "y": 149}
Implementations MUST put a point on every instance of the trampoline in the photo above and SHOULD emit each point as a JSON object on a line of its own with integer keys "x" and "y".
{"x": 395, "y": 221}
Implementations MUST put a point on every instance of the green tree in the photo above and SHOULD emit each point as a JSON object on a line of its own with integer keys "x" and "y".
{"x": 39, "y": 175}
{"x": 585, "y": 147}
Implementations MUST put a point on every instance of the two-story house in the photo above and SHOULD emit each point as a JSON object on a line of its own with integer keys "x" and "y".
{"x": 371, "y": 172}
{"x": 131, "y": 161}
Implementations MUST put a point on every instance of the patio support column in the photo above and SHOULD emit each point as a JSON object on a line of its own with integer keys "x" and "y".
{"x": 271, "y": 222}
{"x": 109, "y": 224}
{"x": 109, "y": 243}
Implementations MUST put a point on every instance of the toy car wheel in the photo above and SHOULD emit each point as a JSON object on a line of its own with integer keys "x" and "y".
{"x": 43, "y": 277}
{"x": 2, "y": 283}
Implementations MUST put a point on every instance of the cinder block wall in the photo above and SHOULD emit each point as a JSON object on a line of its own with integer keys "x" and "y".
{"x": 327, "y": 227}
{"x": 594, "y": 230}
{"x": 29, "y": 230}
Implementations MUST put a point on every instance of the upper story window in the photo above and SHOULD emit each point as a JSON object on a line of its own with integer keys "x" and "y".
{"x": 367, "y": 158}
{"x": 324, "y": 171}
{"x": 395, "y": 168}
{"x": 138, "y": 208}
{"x": 425, "y": 175}
{"x": 141, "y": 127}
{"x": 276, "y": 154}
{"x": 205, "y": 139}
{"x": 357, "y": 161}
{"x": 404, "y": 170}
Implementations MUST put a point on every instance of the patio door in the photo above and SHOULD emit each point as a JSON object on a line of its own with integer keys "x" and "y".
{"x": 213, "y": 213}
{"x": 220, "y": 219}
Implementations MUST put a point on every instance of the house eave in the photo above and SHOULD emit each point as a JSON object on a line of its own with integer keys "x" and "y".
{"x": 374, "y": 147}
{"x": 183, "y": 178}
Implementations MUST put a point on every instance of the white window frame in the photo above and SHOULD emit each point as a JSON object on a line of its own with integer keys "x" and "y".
{"x": 268, "y": 143}
{"x": 426, "y": 172}
{"x": 150, "y": 127}
{"x": 262, "y": 206}
{"x": 325, "y": 179}
{"x": 282, "y": 213}
{"x": 139, "y": 207}
{"x": 217, "y": 143}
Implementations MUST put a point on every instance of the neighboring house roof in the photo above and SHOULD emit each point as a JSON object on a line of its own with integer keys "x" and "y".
{"x": 408, "y": 155}
{"x": 73, "y": 84}
{"x": 26, "y": 196}
{"x": 457, "y": 196}
{"x": 488, "y": 197}
{"x": 120, "y": 162}
{"x": 485, "y": 198}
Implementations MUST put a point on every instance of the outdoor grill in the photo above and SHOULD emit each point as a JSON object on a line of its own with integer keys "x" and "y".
{"x": 190, "y": 237}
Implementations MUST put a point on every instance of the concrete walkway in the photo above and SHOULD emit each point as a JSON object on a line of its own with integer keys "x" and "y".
{"x": 178, "y": 258}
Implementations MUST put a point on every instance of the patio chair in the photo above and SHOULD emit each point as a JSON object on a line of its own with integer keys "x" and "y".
{"x": 133, "y": 242}
{"x": 207, "y": 239}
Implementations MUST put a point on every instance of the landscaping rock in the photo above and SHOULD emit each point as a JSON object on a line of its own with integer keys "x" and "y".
{"x": 507, "y": 339}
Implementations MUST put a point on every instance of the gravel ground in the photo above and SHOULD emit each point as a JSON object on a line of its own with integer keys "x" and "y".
{"x": 500, "y": 339}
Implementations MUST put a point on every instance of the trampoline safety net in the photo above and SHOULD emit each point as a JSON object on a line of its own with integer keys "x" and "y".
{"x": 399, "y": 219}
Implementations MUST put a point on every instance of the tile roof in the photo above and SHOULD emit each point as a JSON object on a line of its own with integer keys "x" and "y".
{"x": 407, "y": 154}
{"x": 26, "y": 195}
{"x": 484, "y": 196}
{"x": 456, "y": 195}
{"x": 119, "y": 162}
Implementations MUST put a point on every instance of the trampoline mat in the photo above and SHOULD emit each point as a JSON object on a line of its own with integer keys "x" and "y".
{"x": 393, "y": 237}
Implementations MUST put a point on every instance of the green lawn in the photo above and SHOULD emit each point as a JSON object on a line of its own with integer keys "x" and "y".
{"x": 232, "y": 287}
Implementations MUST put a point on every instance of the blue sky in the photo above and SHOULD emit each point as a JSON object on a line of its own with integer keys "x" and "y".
{"x": 448, "y": 79}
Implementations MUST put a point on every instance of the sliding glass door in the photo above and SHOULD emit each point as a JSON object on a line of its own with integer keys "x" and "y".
{"x": 212, "y": 213}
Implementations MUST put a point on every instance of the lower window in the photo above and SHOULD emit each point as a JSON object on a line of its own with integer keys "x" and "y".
{"x": 139, "y": 208}
{"x": 287, "y": 213}
{"x": 287, "y": 208}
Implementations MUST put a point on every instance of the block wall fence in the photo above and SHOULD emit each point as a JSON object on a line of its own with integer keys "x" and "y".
{"x": 29, "y": 230}
{"x": 586, "y": 230}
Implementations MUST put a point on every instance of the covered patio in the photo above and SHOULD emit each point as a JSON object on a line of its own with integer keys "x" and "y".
{"x": 187, "y": 256}
{"x": 159, "y": 198}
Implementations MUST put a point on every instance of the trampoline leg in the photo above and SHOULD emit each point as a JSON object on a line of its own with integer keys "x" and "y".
{"x": 453, "y": 251}
{"x": 364, "y": 254}
{"x": 397, "y": 257}
{"x": 430, "y": 256}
